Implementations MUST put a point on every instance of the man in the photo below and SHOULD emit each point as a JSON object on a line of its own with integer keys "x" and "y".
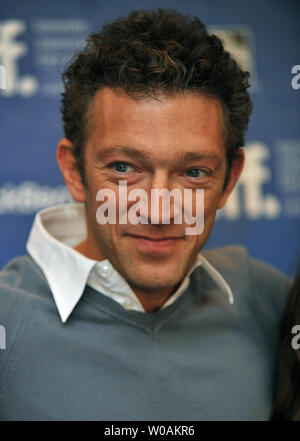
{"x": 116, "y": 320}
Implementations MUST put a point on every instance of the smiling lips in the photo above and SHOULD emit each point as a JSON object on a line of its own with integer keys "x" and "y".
{"x": 155, "y": 243}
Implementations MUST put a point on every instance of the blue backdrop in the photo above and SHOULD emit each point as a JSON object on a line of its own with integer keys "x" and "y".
{"x": 36, "y": 40}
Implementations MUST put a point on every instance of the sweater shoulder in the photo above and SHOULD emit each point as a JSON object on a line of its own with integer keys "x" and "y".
{"x": 262, "y": 284}
{"x": 21, "y": 274}
{"x": 21, "y": 282}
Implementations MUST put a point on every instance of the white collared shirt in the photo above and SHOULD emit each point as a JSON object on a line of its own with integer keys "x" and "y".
{"x": 55, "y": 232}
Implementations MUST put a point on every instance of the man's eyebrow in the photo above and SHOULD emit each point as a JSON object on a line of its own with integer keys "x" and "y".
{"x": 195, "y": 156}
{"x": 131, "y": 152}
{"x": 142, "y": 155}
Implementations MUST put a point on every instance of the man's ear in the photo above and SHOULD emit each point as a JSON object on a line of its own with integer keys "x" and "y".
{"x": 68, "y": 166}
{"x": 236, "y": 170}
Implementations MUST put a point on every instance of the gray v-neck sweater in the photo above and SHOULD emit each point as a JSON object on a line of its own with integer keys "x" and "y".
{"x": 198, "y": 359}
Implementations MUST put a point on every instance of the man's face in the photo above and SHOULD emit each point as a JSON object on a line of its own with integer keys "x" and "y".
{"x": 175, "y": 142}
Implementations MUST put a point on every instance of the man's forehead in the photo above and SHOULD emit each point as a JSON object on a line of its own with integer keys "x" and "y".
{"x": 112, "y": 102}
{"x": 185, "y": 121}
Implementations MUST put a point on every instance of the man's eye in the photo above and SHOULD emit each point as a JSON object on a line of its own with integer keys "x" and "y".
{"x": 122, "y": 167}
{"x": 195, "y": 172}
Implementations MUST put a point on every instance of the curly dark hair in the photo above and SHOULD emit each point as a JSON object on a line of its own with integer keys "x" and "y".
{"x": 149, "y": 53}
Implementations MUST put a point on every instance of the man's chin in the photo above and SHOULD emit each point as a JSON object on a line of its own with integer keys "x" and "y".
{"x": 146, "y": 286}
{"x": 156, "y": 280}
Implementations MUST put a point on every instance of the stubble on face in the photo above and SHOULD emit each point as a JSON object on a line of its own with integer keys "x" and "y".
{"x": 163, "y": 131}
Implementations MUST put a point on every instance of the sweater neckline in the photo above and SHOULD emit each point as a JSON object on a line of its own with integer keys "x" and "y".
{"x": 149, "y": 322}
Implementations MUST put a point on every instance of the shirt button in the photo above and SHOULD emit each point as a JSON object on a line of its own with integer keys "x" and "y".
{"x": 104, "y": 271}
{"x": 128, "y": 304}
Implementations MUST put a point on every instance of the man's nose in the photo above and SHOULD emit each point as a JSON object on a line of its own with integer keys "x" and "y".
{"x": 162, "y": 205}
{"x": 160, "y": 180}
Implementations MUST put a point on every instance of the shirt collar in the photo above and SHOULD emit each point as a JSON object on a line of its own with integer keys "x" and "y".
{"x": 55, "y": 231}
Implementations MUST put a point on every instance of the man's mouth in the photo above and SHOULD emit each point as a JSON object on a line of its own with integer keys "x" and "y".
{"x": 155, "y": 243}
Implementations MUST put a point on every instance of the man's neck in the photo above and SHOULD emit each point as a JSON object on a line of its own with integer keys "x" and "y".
{"x": 151, "y": 300}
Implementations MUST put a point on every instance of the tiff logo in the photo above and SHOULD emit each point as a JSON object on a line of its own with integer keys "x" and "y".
{"x": 11, "y": 50}
{"x": 249, "y": 196}
{"x": 2, "y": 337}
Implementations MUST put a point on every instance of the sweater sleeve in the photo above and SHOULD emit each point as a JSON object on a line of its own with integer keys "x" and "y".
{"x": 13, "y": 304}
